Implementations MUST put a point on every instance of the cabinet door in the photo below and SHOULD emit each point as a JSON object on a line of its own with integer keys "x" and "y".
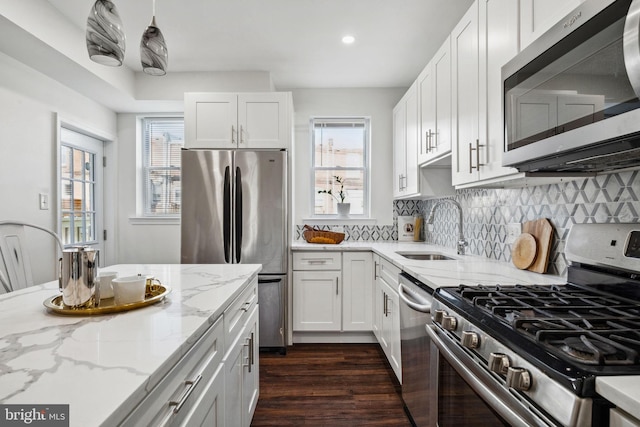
{"x": 537, "y": 16}
{"x": 391, "y": 329}
{"x": 210, "y": 120}
{"x": 208, "y": 411}
{"x": 399, "y": 144}
{"x": 441, "y": 139}
{"x": 427, "y": 109}
{"x": 357, "y": 291}
{"x": 498, "y": 29}
{"x": 233, "y": 381}
{"x": 316, "y": 301}
{"x": 263, "y": 120}
{"x": 465, "y": 97}
{"x": 376, "y": 323}
{"x": 412, "y": 185}
{"x": 251, "y": 370}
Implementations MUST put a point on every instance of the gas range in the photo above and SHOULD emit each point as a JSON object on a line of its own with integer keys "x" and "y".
{"x": 546, "y": 344}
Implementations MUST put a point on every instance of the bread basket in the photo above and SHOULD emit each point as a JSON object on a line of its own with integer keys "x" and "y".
{"x": 314, "y": 235}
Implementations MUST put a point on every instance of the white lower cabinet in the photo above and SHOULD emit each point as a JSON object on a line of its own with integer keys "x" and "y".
{"x": 216, "y": 382}
{"x": 241, "y": 365}
{"x": 332, "y": 292}
{"x": 387, "y": 313}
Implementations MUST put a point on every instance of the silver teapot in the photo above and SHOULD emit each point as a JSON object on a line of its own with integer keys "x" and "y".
{"x": 78, "y": 277}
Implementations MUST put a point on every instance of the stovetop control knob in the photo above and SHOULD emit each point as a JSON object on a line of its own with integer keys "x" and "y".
{"x": 498, "y": 363}
{"x": 470, "y": 339}
{"x": 449, "y": 323}
{"x": 437, "y": 317}
{"x": 518, "y": 378}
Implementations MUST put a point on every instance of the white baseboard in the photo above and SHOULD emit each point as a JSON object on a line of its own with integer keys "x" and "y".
{"x": 334, "y": 337}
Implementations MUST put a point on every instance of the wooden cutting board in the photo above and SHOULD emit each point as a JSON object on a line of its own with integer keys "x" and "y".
{"x": 525, "y": 250}
{"x": 542, "y": 230}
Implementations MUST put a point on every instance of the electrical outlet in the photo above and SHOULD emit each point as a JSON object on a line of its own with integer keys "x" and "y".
{"x": 44, "y": 201}
{"x": 513, "y": 231}
{"x": 337, "y": 229}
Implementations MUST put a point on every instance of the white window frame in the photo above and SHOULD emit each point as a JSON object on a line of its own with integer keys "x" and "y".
{"x": 144, "y": 211}
{"x": 366, "y": 209}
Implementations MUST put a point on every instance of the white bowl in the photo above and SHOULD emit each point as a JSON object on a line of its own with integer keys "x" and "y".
{"x": 128, "y": 289}
{"x": 104, "y": 279}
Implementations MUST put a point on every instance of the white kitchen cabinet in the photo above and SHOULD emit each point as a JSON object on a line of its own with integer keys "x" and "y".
{"x": 317, "y": 303}
{"x": 357, "y": 291}
{"x": 465, "y": 96}
{"x": 241, "y": 364}
{"x": 387, "y": 313}
{"x": 410, "y": 180}
{"x": 619, "y": 418}
{"x": 537, "y": 16}
{"x": 434, "y": 85}
{"x": 332, "y": 291}
{"x": 482, "y": 42}
{"x": 244, "y": 120}
{"x": 405, "y": 143}
{"x": 192, "y": 391}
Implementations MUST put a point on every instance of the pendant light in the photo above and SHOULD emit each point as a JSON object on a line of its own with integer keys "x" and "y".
{"x": 105, "y": 36}
{"x": 153, "y": 49}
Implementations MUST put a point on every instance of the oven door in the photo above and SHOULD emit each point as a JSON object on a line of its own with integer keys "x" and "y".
{"x": 469, "y": 395}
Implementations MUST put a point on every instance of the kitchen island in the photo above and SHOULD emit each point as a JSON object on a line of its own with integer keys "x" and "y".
{"x": 104, "y": 366}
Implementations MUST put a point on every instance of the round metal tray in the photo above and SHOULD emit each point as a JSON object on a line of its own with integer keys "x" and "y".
{"x": 153, "y": 294}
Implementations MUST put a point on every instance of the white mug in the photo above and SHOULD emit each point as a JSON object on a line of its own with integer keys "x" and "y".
{"x": 106, "y": 288}
{"x": 129, "y": 289}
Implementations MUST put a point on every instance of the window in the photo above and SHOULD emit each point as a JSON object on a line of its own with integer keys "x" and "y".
{"x": 80, "y": 187}
{"x": 162, "y": 140}
{"x": 340, "y": 149}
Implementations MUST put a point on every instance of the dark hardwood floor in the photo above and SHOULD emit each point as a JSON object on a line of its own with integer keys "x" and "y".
{"x": 328, "y": 385}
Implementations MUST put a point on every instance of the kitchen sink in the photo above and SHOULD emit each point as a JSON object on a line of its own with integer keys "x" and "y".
{"x": 426, "y": 256}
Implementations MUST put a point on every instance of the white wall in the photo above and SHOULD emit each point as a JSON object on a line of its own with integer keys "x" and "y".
{"x": 372, "y": 102}
{"x": 30, "y": 103}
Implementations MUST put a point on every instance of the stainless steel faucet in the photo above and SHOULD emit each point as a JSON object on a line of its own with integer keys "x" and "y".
{"x": 462, "y": 243}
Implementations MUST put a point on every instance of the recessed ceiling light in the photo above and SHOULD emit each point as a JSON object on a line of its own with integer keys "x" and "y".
{"x": 348, "y": 39}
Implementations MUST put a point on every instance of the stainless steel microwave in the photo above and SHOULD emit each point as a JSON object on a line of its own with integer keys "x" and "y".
{"x": 571, "y": 98}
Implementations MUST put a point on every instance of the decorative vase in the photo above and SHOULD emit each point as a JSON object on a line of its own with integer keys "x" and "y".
{"x": 343, "y": 210}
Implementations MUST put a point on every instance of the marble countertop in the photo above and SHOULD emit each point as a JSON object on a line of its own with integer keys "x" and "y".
{"x": 623, "y": 391}
{"x": 103, "y": 366}
{"x": 464, "y": 269}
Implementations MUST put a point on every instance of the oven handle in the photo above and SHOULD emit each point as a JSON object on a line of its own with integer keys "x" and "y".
{"x": 631, "y": 45}
{"x": 423, "y": 305}
{"x": 481, "y": 381}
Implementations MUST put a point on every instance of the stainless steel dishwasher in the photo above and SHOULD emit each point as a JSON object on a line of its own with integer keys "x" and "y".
{"x": 419, "y": 375}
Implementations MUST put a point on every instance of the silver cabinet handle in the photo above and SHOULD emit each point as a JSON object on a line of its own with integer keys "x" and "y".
{"x": 192, "y": 384}
{"x": 245, "y": 306}
{"x": 317, "y": 261}
{"x": 384, "y": 305}
{"x": 233, "y": 134}
{"x": 336, "y": 286}
{"x": 241, "y": 137}
{"x": 252, "y": 349}
{"x": 477, "y": 150}
{"x": 375, "y": 270}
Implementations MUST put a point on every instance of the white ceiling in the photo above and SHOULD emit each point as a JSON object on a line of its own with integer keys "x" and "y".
{"x": 297, "y": 41}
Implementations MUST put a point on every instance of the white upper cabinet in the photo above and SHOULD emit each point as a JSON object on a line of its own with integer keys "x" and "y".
{"x": 243, "y": 120}
{"x": 537, "y": 16}
{"x": 405, "y": 144}
{"x": 465, "y": 97}
{"x": 434, "y": 85}
{"x": 484, "y": 40}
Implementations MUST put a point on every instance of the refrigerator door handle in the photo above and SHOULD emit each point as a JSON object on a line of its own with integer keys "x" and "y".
{"x": 238, "y": 245}
{"x": 227, "y": 215}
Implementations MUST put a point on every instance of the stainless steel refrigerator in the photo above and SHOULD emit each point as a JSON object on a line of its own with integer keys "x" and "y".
{"x": 234, "y": 210}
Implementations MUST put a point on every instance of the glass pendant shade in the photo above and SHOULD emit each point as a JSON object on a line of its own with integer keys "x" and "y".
{"x": 153, "y": 51}
{"x": 105, "y": 36}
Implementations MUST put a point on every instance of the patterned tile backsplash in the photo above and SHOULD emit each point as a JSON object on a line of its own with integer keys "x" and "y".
{"x": 487, "y": 212}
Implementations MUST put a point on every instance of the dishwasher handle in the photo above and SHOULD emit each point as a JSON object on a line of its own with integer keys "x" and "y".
{"x": 417, "y": 301}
